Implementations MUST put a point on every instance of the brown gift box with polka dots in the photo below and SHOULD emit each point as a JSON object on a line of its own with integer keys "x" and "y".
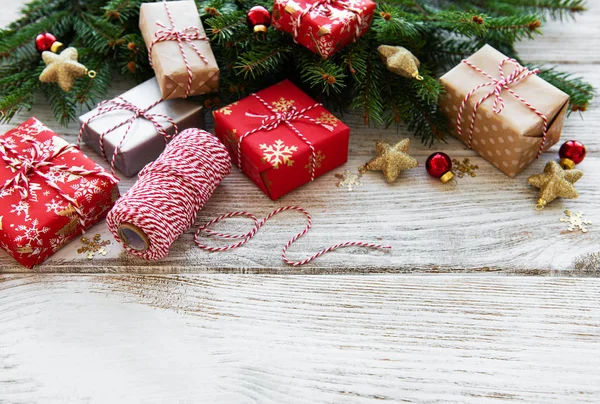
{"x": 167, "y": 58}
{"x": 509, "y": 139}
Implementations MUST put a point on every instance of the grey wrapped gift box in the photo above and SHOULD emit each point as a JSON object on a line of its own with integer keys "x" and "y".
{"x": 143, "y": 142}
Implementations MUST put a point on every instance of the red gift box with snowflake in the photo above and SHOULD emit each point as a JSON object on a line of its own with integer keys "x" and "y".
{"x": 281, "y": 138}
{"x": 49, "y": 192}
{"x": 323, "y": 26}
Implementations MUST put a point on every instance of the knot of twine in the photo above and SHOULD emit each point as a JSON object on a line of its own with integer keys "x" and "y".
{"x": 258, "y": 223}
{"x": 276, "y": 118}
{"x": 186, "y": 36}
{"x": 35, "y": 161}
{"x": 497, "y": 86}
{"x": 326, "y": 8}
{"x": 120, "y": 104}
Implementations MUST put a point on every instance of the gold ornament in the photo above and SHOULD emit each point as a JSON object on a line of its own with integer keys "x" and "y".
{"x": 464, "y": 168}
{"x": 93, "y": 246}
{"x": 576, "y": 221}
{"x": 555, "y": 182}
{"x": 400, "y": 61}
{"x": 392, "y": 160}
{"x": 349, "y": 180}
{"x": 63, "y": 69}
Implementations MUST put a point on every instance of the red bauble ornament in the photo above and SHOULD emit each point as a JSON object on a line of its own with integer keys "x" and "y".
{"x": 571, "y": 153}
{"x": 258, "y": 18}
{"x": 47, "y": 42}
{"x": 439, "y": 165}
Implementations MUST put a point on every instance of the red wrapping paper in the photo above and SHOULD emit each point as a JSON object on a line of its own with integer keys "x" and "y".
{"x": 278, "y": 160}
{"x": 326, "y": 28}
{"x": 34, "y": 227}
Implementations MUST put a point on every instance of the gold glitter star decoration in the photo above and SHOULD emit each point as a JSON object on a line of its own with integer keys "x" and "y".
{"x": 576, "y": 221}
{"x": 63, "y": 69}
{"x": 392, "y": 160}
{"x": 349, "y": 180}
{"x": 464, "y": 168}
{"x": 400, "y": 61}
{"x": 555, "y": 182}
{"x": 94, "y": 246}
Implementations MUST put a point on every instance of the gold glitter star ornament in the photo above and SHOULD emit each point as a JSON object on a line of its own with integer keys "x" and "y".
{"x": 392, "y": 160}
{"x": 400, "y": 61}
{"x": 63, "y": 69}
{"x": 555, "y": 182}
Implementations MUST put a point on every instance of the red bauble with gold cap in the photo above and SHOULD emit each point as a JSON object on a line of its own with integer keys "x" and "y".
{"x": 47, "y": 42}
{"x": 439, "y": 165}
{"x": 571, "y": 153}
{"x": 258, "y": 18}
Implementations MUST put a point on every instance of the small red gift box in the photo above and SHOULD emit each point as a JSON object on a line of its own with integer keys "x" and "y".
{"x": 323, "y": 26}
{"x": 281, "y": 138}
{"x": 49, "y": 192}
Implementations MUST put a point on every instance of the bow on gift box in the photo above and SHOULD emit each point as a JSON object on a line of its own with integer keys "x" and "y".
{"x": 120, "y": 104}
{"x": 497, "y": 86}
{"x": 36, "y": 161}
{"x": 326, "y": 8}
{"x": 187, "y": 35}
{"x": 286, "y": 117}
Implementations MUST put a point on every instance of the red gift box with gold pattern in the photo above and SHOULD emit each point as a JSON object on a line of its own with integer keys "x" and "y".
{"x": 323, "y": 26}
{"x": 49, "y": 192}
{"x": 286, "y": 138}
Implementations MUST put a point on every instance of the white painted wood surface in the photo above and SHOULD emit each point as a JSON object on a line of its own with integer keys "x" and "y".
{"x": 298, "y": 339}
{"x": 485, "y": 223}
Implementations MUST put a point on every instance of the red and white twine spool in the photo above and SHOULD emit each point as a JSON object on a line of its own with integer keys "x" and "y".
{"x": 169, "y": 192}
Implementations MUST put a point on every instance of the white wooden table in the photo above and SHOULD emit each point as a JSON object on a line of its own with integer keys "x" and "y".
{"x": 436, "y": 321}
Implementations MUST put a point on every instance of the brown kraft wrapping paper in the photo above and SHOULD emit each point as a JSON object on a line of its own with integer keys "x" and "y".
{"x": 168, "y": 62}
{"x": 143, "y": 143}
{"x": 511, "y": 139}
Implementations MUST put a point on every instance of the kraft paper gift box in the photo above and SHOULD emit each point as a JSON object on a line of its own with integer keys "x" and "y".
{"x": 51, "y": 192}
{"x": 277, "y": 160}
{"x": 511, "y": 139}
{"x": 143, "y": 143}
{"x": 166, "y": 56}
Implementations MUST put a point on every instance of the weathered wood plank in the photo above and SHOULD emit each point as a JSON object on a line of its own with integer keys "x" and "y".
{"x": 270, "y": 339}
{"x": 482, "y": 224}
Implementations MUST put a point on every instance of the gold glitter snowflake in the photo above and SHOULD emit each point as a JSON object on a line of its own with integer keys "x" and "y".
{"x": 464, "y": 168}
{"x": 328, "y": 119}
{"x": 93, "y": 246}
{"x": 319, "y": 157}
{"x": 349, "y": 180}
{"x": 282, "y": 105}
{"x": 278, "y": 153}
{"x": 576, "y": 221}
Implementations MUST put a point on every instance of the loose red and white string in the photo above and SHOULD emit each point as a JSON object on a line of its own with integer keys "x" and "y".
{"x": 258, "y": 223}
{"x": 520, "y": 73}
{"x": 170, "y": 192}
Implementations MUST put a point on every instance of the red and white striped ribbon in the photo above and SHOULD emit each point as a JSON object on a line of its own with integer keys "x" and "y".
{"x": 258, "y": 223}
{"x": 186, "y": 35}
{"x": 120, "y": 104}
{"x": 520, "y": 73}
{"x": 325, "y": 6}
{"x": 26, "y": 165}
{"x": 286, "y": 117}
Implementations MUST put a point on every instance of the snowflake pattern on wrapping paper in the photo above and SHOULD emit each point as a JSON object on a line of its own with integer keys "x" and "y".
{"x": 30, "y": 131}
{"x": 319, "y": 157}
{"x": 278, "y": 153}
{"x": 282, "y": 105}
{"x": 32, "y": 233}
{"x": 57, "y": 242}
{"x": 55, "y": 205}
{"x": 328, "y": 119}
{"x": 21, "y": 207}
{"x": 86, "y": 189}
{"x": 57, "y": 175}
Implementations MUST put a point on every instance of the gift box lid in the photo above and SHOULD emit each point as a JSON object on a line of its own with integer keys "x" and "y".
{"x": 546, "y": 98}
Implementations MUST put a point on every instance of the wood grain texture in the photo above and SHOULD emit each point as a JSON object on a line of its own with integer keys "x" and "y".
{"x": 484, "y": 224}
{"x": 273, "y": 339}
